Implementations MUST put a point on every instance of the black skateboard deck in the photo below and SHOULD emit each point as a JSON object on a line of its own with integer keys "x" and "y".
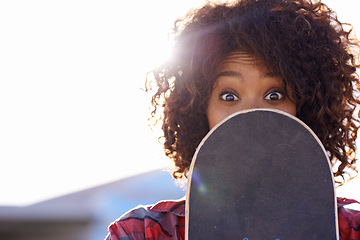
{"x": 261, "y": 175}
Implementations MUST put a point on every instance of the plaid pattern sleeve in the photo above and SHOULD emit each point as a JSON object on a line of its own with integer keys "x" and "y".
{"x": 164, "y": 220}
{"x": 349, "y": 219}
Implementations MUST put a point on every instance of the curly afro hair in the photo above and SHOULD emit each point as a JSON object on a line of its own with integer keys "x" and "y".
{"x": 301, "y": 40}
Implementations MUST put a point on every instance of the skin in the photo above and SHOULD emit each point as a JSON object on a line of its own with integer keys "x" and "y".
{"x": 241, "y": 84}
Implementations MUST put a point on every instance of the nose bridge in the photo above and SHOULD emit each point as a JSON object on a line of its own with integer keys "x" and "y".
{"x": 252, "y": 102}
{"x": 252, "y": 91}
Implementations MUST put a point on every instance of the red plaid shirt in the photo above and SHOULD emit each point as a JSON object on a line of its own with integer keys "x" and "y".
{"x": 166, "y": 220}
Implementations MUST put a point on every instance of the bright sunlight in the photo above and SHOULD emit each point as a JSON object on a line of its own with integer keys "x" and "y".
{"x": 72, "y": 112}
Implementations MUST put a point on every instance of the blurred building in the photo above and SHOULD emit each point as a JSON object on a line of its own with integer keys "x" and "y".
{"x": 86, "y": 214}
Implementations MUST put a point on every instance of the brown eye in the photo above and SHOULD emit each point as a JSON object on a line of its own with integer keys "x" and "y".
{"x": 228, "y": 96}
{"x": 274, "y": 96}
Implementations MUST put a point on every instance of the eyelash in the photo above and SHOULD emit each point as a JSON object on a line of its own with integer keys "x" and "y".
{"x": 234, "y": 97}
{"x": 268, "y": 95}
{"x": 227, "y": 93}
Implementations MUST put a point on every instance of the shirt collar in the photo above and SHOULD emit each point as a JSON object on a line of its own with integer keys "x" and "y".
{"x": 177, "y": 207}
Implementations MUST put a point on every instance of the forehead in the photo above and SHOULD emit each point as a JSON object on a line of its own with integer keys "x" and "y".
{"x": 240, "y": 57}
{"x": 233, "y": 60}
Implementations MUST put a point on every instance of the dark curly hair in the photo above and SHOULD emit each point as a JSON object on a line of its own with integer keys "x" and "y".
{"x": 301, "y": 40}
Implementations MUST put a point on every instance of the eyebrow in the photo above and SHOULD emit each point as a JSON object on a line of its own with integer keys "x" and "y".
{"x": 229, "y": 74}
{"x": 271, "y": 74}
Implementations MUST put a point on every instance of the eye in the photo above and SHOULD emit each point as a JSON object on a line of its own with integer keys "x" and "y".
{"x": 274, "y": 96}
{"x": 228, "y": 96}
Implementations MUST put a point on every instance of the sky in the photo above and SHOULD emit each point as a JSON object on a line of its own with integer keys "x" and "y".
{"x": 72, "y": 112}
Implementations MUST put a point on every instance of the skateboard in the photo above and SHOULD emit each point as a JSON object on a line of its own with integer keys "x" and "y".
{"x": 261, "y": 174}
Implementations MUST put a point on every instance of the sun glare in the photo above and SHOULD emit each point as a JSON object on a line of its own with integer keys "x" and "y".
{"x": 70, "y": 99}
{"x": 72, "y": 112}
